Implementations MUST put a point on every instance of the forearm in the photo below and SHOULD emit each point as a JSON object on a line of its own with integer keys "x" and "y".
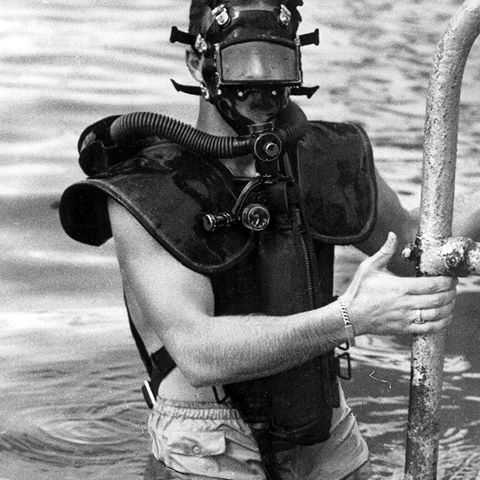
{"x": 179, "y": 305}
{"x": 466, "y": 223}
{"x": 466, "y": 219}
{"x": 234, "y": 348}
{"x": 466, "y": 216}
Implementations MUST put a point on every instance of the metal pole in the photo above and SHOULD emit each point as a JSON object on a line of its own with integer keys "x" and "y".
{"x": 440, "y": 151}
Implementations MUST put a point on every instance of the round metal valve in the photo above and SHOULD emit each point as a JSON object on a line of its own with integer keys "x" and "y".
{"x": 267, "y": 147}
{"x": 272, "y": 149}
{"x": 255, "y": 217}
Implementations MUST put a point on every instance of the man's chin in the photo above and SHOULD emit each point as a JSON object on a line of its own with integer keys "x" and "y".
{"x": 262, "y": 117}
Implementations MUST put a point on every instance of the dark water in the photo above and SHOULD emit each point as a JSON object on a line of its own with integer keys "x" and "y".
{"x": 70, "y": 404}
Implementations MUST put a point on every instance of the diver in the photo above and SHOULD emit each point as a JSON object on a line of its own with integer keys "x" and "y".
{"x": 225, "y": 237}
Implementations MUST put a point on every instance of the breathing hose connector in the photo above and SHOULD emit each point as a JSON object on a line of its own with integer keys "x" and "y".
{"x": 134, "y": 126}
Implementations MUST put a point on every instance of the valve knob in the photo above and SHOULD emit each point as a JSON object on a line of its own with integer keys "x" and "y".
{"x": 254, "y": 217}
{"x": 212, "y": 221}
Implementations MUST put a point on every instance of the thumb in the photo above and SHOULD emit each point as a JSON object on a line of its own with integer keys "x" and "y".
{"x": 381, "y": 258}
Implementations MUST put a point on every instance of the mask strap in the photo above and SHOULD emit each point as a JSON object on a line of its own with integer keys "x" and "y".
{"x": 188, "y": 89}
{"x": 309, "y": 92}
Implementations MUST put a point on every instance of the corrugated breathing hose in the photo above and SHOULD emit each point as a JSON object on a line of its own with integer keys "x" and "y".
{"x": 147, "y": 124}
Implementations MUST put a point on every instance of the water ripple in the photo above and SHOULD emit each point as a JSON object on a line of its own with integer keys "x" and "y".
{"x": 65, "y": 64}
{"x": 73, "y": 435}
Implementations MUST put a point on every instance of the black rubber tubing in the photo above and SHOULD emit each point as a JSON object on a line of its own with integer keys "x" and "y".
{"x": 147, "y": 124}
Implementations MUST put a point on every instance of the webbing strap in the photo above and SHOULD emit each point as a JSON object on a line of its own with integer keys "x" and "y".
{"x": 163, "y": 364}
{"x": 158, "y": 365}
{"x": 142, "y": 350}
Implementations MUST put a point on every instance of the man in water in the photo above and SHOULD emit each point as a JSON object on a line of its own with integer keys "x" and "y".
{"x": 227, "y": 260}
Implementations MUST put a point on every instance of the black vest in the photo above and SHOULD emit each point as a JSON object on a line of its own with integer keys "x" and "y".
{"x": 326, "y": 196}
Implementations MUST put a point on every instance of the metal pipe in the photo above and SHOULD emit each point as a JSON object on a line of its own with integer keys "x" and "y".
{"x": 439, "y": 161}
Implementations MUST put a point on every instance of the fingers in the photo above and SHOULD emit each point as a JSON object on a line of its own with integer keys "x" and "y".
{"x": 432, "y": 314}
{"x": 435, "y": 300}
{"x": 431, "y": 320}
{"x": 429, "y": 285}
{"x": 430, "y": 327}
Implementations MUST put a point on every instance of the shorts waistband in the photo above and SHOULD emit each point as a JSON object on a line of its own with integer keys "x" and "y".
{"x": 195, "y": 410}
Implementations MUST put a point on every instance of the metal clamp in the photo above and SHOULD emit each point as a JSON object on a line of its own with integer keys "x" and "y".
{"x": 455, "y": 256}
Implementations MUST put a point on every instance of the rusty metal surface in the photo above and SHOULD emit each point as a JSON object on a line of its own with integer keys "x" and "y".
{"x": 440, "y": 149}
{"x": 454, "y": 256}
{"x": 441, "y": 125}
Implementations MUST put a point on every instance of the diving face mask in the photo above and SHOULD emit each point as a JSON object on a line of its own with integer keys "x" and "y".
{"x": 249, "y": 46}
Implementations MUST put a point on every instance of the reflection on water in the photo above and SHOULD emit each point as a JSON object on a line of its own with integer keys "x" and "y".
{"x": 69, "y": 383}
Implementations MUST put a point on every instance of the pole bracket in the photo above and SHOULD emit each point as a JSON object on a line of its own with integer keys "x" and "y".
{"x": 454, "y": 256}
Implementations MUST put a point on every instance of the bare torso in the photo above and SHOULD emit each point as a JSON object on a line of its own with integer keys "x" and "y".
{"x": 174, "y": 386}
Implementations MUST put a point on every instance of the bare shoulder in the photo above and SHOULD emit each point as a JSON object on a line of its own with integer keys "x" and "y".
{"x": 391, "y": 217}
{"x": 130, "y": 237}
{"x": 150, "y": 271}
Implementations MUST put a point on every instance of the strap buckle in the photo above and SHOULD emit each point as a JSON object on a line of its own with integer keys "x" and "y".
{"x": 344, "y": 371}
{"x": 148, "y": 394}
{"x": 219, "y": 400}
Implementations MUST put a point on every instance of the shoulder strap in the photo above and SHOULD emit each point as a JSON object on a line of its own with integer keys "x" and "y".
{"x": 142, "y": 350}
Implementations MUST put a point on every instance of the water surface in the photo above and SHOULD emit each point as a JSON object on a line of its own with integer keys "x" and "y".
{"x": 70, "y": 402}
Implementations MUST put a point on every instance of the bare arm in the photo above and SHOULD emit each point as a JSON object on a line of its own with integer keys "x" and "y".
{"x": 392, "y": 217}
{"x": 178, "y": 303}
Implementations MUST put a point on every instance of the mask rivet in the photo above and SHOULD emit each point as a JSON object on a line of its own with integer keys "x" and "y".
{"x": 285, "y": 16}
{"x": 240, "y": 94}
{"x": 205, "y": 92}
{"x": 221, "y": 15}
{"x": 274, "y": 93}
{"x": 219, "y": 92}
{"x": 200, "y": 44}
